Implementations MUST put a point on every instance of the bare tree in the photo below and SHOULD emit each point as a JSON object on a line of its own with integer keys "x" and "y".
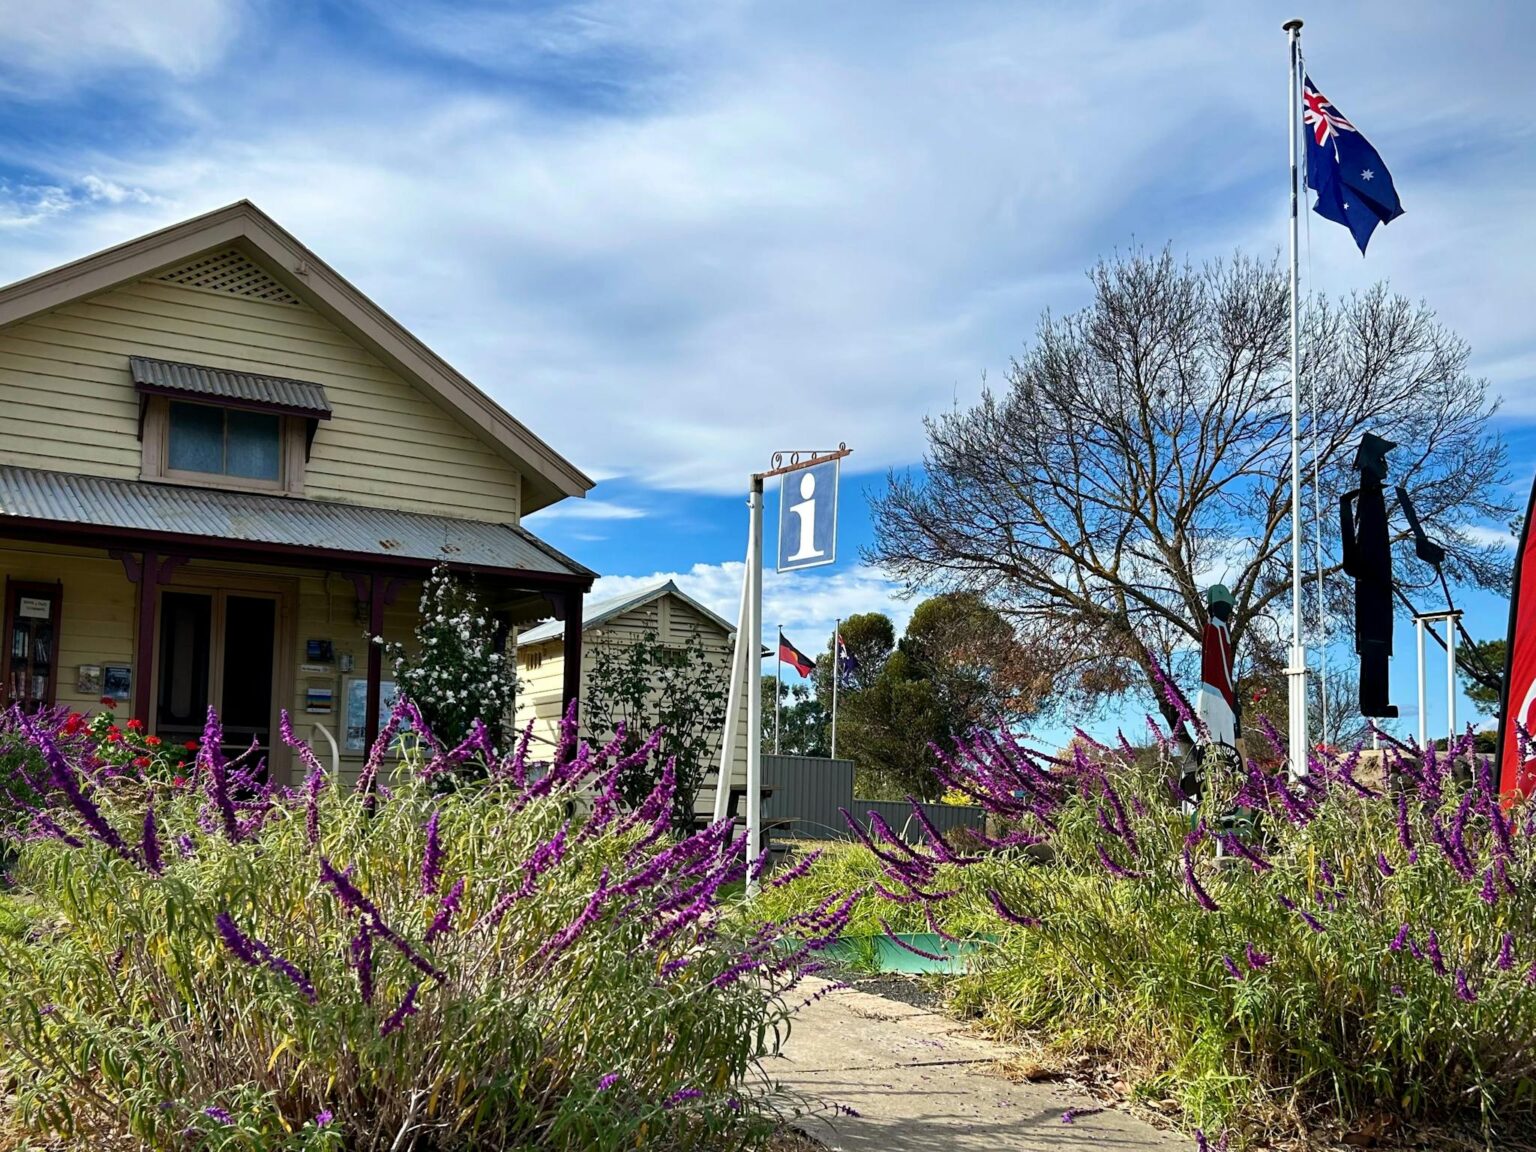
{"x": 1141, "y": 448}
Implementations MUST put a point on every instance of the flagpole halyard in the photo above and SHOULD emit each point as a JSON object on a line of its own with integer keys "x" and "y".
{"x": 837, "y": 674}
{"x": 1297, "y": 669}
{"x": 778, "y": 688}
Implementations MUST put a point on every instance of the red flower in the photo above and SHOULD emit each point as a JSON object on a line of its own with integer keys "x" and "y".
{"x": 141, "y": 762}
{"x": 152, "y": 741}
{"x": 135, "y": 724}
{"x": 190, "y": 745}
{"x": 178, "y": 781}
{"x": 73, "y": 723}
{"x": 114, "y": 734}
{"x": 108, "y": 702}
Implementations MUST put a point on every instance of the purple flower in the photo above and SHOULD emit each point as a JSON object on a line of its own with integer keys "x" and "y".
{"x": 313, "y": 784}
{"x": 235, "y": 940}
{"x": 1489, "y": 894}
{"x": 1463, "y": 989}
{"x": 432, "y": 858}
{"x": 1506, "y": 959}
{"x": 1436, "y": 960}
{"x": 150, "y": 845}
{"x": 214, "y": 1112}
{"x": 441, "y": 923}
{"x": 1232, "y": 969}
{"x": 361, "y": 949}
{"x": 323, "y": 1120}
{"x": 900, "y": 943}
{"x": 607, "y": 1081}
{"x": 681, "y": 1095}
{"x": 799, "y": 870}
{"x": 1400, "y": 940}
{"x": 1397, "y": 990}
{"x": 1383, "y": 865}
{"x": 1202, "y": 897}
{"x": 1255, "y": 958}
{"x": 255, "y": 953}
{"x": 1404, "y": 836}
{"x": 1113, "y": 868}
{"x": 1007, "y": 913}
{"x": 398, "y": 1016}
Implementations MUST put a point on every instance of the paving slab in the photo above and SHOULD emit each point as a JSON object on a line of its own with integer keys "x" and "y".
{"x": 920, "y": 1081}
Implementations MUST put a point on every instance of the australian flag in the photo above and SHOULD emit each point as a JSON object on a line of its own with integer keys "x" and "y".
{"x": 1353, "y": 186}
{"x": 847, "y": 663}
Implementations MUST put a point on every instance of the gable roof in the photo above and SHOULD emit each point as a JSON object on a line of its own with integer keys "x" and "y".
{"x": 547, "y": 476}
{"x": 605, "y": 610}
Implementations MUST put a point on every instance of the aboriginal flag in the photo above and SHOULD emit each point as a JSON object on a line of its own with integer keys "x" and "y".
{"x": 1517, "y": 719}
{"x": 795, "y": 658}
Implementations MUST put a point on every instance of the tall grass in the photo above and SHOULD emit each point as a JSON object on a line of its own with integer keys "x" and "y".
{"x": 225, "y": 965}
{"x": 1289, "y": 954}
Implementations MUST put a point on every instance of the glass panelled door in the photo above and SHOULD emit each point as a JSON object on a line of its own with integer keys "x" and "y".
{"x": 217, "y": 648}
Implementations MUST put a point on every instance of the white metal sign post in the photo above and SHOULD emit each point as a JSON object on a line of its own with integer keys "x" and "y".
{"x": 807, "y": 539}
{"x": 1423, "y": 621}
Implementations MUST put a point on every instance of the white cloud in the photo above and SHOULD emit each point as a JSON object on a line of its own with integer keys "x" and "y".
{"x": 1484, "y": 534}
{"x": 795, "y": 228}
{"x": 64, "y": 41}
{"x": 806, "y": 604}
{"x": 587, "y": 510}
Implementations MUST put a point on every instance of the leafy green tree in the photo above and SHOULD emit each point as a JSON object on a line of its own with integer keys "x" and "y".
{"x": 645, "y": 685}
{"x": 803, "y": 720}
{"x": 1488, "y": 656}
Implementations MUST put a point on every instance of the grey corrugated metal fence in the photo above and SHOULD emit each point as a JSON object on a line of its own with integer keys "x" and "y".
{"x": 809, "y": 790}
{"x": 946, "y": 818}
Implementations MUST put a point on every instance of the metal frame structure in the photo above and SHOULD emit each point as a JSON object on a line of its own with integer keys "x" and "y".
{"x": 749, "y": 643}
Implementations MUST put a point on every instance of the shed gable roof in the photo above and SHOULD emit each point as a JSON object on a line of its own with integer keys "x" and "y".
{"x": 243, "y": 228}
{"x": 606, "y": 610}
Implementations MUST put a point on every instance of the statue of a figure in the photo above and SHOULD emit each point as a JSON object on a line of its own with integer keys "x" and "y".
{"x": 1217, "y": 703}
{"x": 1367, "y": 549}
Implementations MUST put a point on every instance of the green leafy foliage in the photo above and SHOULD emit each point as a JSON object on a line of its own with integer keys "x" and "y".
{"x": 218, "y": 965}
{"x": 458, "y": 671}
{"x": 1288, "y": 957}
{"x": 640, "y": 685}
{"x": 1491, "y": 655}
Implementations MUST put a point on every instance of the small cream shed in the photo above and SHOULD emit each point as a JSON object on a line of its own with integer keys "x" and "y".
{"x": 663, "y": 609}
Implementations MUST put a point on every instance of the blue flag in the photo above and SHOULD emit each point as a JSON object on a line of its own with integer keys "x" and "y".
{"x": 1353, "y": 186}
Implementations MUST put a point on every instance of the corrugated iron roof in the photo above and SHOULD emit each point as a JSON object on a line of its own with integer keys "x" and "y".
{"x": 605, "y": 610}
{"x": 298, "y": 396}
{"x": 252, "y": 518}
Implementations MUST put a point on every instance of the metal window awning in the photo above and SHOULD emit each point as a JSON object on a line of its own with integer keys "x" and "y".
{"x": 231, "y": 389}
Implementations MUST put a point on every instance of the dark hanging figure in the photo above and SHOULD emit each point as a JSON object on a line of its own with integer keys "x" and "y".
{"x": 1367, "y": 546}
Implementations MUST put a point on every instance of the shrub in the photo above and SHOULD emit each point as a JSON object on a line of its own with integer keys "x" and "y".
{"x": 458, "y": 673}
{"x": 642, "y": 684}
{"x": 1322, "y": 950}
{"x": 228, "y": 965}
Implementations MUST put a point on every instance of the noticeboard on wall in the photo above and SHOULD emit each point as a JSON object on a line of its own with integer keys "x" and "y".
{"x": 354, "y": 719}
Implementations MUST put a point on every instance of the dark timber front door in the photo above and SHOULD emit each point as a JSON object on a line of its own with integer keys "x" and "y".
{"x": 216, "y": 648}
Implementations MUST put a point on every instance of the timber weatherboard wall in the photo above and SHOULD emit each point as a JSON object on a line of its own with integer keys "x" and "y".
{"x": 674, "y": 623}
{"x": 71, "y": 404}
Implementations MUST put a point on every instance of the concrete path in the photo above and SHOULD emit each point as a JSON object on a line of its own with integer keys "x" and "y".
{"x": 922, "y": 1082}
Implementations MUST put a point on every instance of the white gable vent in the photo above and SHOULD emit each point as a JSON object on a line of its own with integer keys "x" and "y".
{"x": 231, "y": 273}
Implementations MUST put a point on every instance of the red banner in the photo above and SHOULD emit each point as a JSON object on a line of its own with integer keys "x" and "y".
{"x": 1517, "y": 757}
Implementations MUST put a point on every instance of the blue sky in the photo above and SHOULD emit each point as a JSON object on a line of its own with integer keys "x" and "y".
{"x": 674, "y": 237}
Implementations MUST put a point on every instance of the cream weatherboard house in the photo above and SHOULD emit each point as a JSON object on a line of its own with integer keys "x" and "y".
{"x": 222, "y": 467}
{"x": 662, "y": 611}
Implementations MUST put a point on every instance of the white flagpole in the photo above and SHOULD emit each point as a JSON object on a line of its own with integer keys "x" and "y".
{"x": 754, "y": 680}
{"x": 778, "y": 687}
{"x": 1297, "y": 671}
{"x": 837, "y": 628}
